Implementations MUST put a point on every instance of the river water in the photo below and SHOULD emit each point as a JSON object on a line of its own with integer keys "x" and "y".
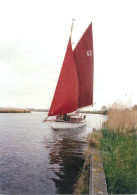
{"x": 35, "y": 159}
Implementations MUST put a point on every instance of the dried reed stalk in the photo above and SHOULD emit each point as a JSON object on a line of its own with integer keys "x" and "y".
{"x": 121, "y": 118}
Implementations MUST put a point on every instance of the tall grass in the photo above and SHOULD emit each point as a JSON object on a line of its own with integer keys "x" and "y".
{"x": 118, "y": 148}
{"x": 119, "y": 155}
{"x": 117, "y": 143}
{"x": 121, "y": 118}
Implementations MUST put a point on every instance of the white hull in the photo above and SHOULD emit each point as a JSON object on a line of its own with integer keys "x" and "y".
{"x": 66, "y": 124}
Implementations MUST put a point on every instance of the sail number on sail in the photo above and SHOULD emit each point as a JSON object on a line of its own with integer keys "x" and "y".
{"x": 89, "y": 53}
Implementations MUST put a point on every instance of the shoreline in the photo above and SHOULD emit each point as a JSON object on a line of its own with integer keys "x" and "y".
{"x": 115, "y": 143}
{"x": 29, "y": 110}
{"x": 14, "y": 110}
{"x": 94, "y": 112}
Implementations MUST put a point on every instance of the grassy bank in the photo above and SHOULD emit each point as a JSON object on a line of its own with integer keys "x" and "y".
{"x": 117, "y": 145}
{"x": 119, "y": 155}
{"x": 14, "y": 110}
{"x": 81, "y": 187}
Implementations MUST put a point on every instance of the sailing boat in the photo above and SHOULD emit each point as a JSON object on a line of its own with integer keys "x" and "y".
{"x": 74, "y": 89}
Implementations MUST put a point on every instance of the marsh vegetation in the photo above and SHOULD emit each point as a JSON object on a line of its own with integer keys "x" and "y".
{"x": 117, "y": 144}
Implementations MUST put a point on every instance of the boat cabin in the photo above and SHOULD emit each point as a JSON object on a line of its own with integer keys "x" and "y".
{"x": 70, "y": 118}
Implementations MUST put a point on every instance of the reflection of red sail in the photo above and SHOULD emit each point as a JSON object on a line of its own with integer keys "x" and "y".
{"x": 65, "y": 99}
{"x": 83, "y": 54}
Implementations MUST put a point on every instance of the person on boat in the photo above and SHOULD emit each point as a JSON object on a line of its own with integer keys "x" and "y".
{"x": 66, "y": 117}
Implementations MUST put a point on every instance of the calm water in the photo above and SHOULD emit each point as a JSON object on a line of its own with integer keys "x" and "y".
{"x": 34, "y": 159}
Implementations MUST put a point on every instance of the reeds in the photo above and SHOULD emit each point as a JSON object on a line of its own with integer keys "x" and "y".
{"x": 118, "y": 149}
{"x": 117, "y": 145}
{"x": 121, "y": 118}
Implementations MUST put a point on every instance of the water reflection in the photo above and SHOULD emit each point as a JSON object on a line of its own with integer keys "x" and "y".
{"x": 66, "y": 155}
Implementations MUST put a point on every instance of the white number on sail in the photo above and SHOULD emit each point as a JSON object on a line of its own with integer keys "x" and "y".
{"x": 89, "y": 53}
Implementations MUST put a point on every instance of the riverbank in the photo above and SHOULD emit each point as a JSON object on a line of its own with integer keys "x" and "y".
{"x": 14, "y": 110}
{"x": 94, "y": 112}
{"x": 28, "y": 110}
{"x": 119, "y": 156}
{"x": 116, "y": 144}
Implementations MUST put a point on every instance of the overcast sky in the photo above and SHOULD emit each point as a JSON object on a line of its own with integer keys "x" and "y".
{"x": 33, "y": 39}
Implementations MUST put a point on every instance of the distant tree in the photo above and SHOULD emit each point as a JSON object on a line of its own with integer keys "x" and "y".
{"x": 103, "y": 108}
{"x": 134, "y": 107}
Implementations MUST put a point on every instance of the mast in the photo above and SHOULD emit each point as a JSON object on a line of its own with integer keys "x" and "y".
{"x": 72, "y": 27}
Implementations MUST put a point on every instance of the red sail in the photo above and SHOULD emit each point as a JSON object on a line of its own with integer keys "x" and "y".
{"x": 83, "y": 55}
{"x": 65, "y": 99}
